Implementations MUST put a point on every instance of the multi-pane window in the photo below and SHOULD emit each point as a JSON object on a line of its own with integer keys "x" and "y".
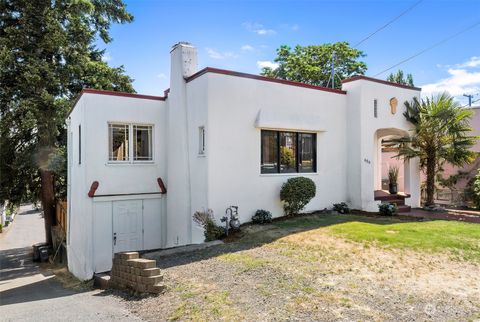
{"x": 123, "y": 138}
{"x": 307, "y": 152}
{"x": 118, "y": 142}
{"x": 269, "y": 152}
{"x": 142, "y": 143}
{"x": 288, "y": 152}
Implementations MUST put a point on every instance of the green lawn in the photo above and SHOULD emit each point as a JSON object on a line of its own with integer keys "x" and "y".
{"x": 459, "y": 238}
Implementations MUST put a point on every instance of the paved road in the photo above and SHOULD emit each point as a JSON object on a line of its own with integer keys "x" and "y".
{"x": 28, "y": 293}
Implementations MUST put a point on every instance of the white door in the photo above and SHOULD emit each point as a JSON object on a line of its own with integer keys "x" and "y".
{"x": 127, "y": 225}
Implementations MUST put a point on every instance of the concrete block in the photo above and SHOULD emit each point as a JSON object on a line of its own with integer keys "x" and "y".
{"x": 127, "y": 255}
{"x": 150, "y": 271}
{"x": 141, "y": 288}
{"x": 157, "y": 288}
{"x": 152, "y": 280}
{"x": 142, "y": 263}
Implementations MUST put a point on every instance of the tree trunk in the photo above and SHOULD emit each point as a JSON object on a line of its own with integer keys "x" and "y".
{"x": 48, "y": 202}
{"x": 430, "y": 181}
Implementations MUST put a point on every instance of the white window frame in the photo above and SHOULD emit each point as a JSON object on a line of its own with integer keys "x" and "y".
{"x": 131, "y": 158}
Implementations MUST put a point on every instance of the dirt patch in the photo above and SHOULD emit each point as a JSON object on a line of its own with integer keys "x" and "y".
{"x": 274, "y": 273}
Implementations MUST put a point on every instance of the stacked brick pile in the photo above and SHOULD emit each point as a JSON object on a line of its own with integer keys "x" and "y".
{"x": 134, "y": 273}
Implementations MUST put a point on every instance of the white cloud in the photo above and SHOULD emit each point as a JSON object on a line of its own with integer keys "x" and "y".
{"x": 266, "y": 63}
{"x": 162, "y": 76}
{"x": 258, "y": 28}
{"x": 107, "y": 57}
{"x": 460, "y": 81}
{"x": 247, "y": 48}
{"x": 463, "y": 78}
{"x": 471, "y": 63}
{"x": 215, "y": 54}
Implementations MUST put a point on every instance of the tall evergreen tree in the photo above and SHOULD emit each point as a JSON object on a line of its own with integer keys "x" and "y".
{"x": 47, "y": 55}
{"x": 313, "y": 64}
{"x": 399, "y": 78}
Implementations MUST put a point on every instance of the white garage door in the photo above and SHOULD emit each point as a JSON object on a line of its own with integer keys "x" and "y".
{"x": 127, "y": 225}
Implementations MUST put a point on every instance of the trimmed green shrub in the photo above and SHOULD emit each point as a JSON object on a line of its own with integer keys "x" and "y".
{"x": 387, "y": 209}
{"x": 341, "y": 208}
{"x": 262, "y": 217}
{"x": 211, "y": 230}
{"x": 296, "y": 193}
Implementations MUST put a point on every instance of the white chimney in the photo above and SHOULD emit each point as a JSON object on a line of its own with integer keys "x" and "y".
{"x": 179, "y": 212}
{"x": 184, "y": 59}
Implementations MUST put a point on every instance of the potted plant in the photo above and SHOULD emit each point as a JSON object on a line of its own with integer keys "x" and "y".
{"x": 392, "y": 180}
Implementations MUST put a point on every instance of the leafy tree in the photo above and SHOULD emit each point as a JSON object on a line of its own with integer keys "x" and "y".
{"x": 441, "y": 135}
{"x": 47, "y": 55}
{"x": 399, "y": 78}
{"x": 312, "y": 64}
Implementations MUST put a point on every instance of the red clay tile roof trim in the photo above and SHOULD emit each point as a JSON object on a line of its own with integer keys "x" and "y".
{"x": 112, "y": 93}
{"x": 262, "y": 78}
{"x": 381, "y": 81}
{"x": 123, "y": 94}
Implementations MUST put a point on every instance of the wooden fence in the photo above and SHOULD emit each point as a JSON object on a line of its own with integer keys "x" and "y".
{"x": 61, "y": 213}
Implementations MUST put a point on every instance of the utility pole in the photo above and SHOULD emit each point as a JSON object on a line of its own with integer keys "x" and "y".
{"x": 469, "y": 99}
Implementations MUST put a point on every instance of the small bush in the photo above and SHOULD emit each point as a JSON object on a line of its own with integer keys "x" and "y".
{"x": 296, "y": 193}
{"x": 387, "y": 209}
{"x": 211, "y": 230}
{"x": 472, "y": 191}
{"x": 262, "y": 217}
{"x": 341, "y": 208}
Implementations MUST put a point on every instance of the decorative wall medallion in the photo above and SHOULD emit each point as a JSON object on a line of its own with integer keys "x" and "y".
{"x": 393, "y": 105}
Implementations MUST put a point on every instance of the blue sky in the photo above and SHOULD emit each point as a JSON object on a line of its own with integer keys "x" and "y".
{"x": 243, "y": 35}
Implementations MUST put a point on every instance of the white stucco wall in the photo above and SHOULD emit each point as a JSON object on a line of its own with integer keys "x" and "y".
{"x": 233, "y": 109}
{"x": 234, "y": 176}
{"x": 90, "y": 221}
{"x": 363, "y": 141}
{"x": 197, "y": 105}
{"x": 78, "y": 231}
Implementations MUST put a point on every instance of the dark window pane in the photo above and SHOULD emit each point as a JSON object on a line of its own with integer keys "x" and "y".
{"x": 269, "y": 157}
{"x": 142, "y": 143}
{"x": 307, "y": 152}
{"x": 118, "y": 142}
{"x": 288, "y": 152}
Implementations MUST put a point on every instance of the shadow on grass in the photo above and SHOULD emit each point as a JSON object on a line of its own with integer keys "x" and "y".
{"x": 253, "y": 236}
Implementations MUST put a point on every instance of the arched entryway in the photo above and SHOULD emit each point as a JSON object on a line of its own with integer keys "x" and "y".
{"x": 386, "y": 151}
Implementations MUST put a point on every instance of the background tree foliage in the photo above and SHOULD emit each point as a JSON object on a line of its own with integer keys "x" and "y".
{"x": 441, "y": 135}
{"x": 312, "y": 64}
{"x": 400, "y": 78}
{"x": 47, "y": 55}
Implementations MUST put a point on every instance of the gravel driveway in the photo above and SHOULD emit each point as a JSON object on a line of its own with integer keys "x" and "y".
{"x": 277, "y": 274}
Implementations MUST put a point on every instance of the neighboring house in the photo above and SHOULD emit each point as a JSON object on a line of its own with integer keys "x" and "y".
{"x": 219, "y": 138}
{"x": 454, "y": 193}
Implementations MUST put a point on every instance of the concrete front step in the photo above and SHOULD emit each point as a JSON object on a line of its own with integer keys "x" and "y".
{"x": 404, "y": 208}
{"x": 398, "y": 202}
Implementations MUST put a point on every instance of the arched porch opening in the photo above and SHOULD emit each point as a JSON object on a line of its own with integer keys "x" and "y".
{"x": 386, "y": 151}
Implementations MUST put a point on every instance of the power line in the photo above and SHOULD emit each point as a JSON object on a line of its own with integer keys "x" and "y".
{"x": 430, "y": 47}
{"x": 388, "y": 23}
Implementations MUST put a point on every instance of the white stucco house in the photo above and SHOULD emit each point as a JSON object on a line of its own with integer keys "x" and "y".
{"x": 139, "y": 166}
